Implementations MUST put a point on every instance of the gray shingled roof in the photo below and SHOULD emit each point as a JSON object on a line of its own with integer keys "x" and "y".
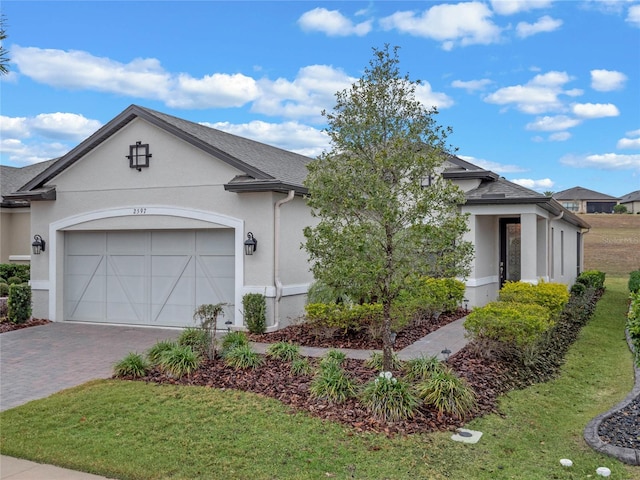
{"x": 264, "y": 163}
{"x": 581, "y": 193}
{"x": 631, "y": 197}
{"x": 12, "y": 178}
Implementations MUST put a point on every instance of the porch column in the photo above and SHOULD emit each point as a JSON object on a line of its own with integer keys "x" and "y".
{"x": 529, "y": 248}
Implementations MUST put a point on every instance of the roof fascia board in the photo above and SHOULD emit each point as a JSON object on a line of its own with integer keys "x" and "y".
{"x": 279, "y": 187}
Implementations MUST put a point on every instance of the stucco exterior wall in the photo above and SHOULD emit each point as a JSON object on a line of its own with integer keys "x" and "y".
{"x": 183, "y": 188}
{"x": 15, "y": 235}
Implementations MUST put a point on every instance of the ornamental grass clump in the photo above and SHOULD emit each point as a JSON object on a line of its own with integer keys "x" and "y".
{"x": 154, "y": 354}
{"x": 332, "y": 383}
{"x": 285, "y": 351}
{"x": 448, "y": 393}
{"x": 179, "y": 361}
{"x": 232, "y": 340}
{"x": 301, "y": 366}
{"x": 196, "y": 338}
{"x": 421, "y": 368}
{"x": 375, "y": 361}
{"x": 242, "y": 357}
{"x": 133, "y": 365}
{"x": 333, "y": 356}
{"x": 389, "y": 399}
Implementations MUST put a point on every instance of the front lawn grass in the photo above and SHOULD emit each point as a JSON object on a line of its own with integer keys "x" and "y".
{"x": 133, "y": 430}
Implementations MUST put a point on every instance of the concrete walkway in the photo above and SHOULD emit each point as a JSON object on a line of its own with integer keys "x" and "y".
{"x": 39, "y": 361}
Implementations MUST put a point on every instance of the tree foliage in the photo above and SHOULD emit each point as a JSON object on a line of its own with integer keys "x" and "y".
{"x": 4, "y": 58}
{"x": 384, "y": 212}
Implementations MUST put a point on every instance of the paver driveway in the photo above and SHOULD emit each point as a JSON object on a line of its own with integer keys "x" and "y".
{"x": 38, "y": 361}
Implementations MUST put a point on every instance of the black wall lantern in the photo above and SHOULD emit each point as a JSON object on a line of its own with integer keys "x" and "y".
{"x": 250, "y": 244}
{"x": 38, "y": 245}
{"x": 139, "y": 156}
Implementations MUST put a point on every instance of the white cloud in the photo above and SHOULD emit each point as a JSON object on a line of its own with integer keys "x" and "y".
{"x": 471, "y": 85}
{"x": 57, "y": 126}
{"x": 74, "y": 69}
{"x": 605, "y": 161}
{"x": 291, "y": 136}
{"x": 493, "y": 166}
{"x": 607, "y": 80}
{"x": 542, "y": 184}
{"x": 467, "y": 23}
{"x": 64, "y": 126}
{"x": 537, "y": 96}
{"x": 559, "y": 137}
{"x": 551, "y": 124}
{"x": 213, "y": 91}
{"x": 14, "y": 127}
{"x": 633, "y": 15}
{"x": 333, "y": 23}
{"x": 629, "y": 141}
{"x": 595, "y": 110}
{"x": 544, "y": 24}
{"x": 25, "y": 154}
{"x": 141, "y": 78}
{"x": 509, "y": 7}
{"x": 429, "y": 98}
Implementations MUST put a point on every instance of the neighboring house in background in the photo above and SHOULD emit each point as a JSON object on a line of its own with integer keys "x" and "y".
{"x": 15, "y": 230}
{"x": 583, "y": 200}
{"x": 148, "y": 218}
{"x": 631, "y": 201}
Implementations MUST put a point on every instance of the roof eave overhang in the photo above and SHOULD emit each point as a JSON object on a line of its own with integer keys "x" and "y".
{"x": 266, "y": 186}
{"x": 44, "y": 194}
{"x": 548, "y": 203}
{"x": 470, "y": 175}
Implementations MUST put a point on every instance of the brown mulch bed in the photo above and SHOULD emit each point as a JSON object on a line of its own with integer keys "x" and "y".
{"x": 305, "y": 335}
{"x": 8, "y": 326}
{"x": 274, "y": 379}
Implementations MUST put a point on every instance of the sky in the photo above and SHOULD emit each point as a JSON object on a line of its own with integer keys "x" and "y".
{"x": 545, "y": 93}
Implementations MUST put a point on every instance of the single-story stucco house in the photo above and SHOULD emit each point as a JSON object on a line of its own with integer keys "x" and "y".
{"x": 154, "y": 215}
{"x": 583, "y": 200}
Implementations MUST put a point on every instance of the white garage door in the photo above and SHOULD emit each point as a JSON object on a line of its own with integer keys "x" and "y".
{"x": 147, "y": 278}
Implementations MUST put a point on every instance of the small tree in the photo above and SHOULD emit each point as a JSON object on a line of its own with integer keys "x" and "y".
{"x": 207, "y": 315}
{"x": 384, "y": 212}
{"x": 619, "y": 209}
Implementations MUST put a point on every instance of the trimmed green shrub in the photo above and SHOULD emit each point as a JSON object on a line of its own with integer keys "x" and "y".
{"x": 554, "y": 296}
{"x": 448, "y": 393}
{"x": 22, "y": 271}
{"x": 301, "y": 366}
{"x": 4, "y": 289}
{"x": 332, "y": 383}
{"x": 514, "y": 323}
{"x": 254, "y": 306}
{"x": 592, "y": 278}
{"x": 14, "y": 280}
{"x": 428, "y": 296}
{"x": 619, "y": 208}
{"x": 578, "y": 289}
{"x": 179, "y": 361}
{"x": 155, "y": 352}
{"x": 634, "y": 281}
{"x": 389, "y": 399}
{"x": 375, "y": 361}
{"x": 284, "y": 351}
{"x": 19, "y": 303}
{"x": 234, "y": 339}
{"x": 418, "y": 369}
{"x": 196, "y": 338}
{"x": 242, "y": 356}
{"x": 345, "y": 317}
{"x": 133, "y": 365}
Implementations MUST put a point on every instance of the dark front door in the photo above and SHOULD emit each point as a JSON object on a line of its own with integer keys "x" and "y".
{"x": 509, "y": 250}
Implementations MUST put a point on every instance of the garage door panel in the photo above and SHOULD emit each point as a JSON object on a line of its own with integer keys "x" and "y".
{"x": 150, "y": 278}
